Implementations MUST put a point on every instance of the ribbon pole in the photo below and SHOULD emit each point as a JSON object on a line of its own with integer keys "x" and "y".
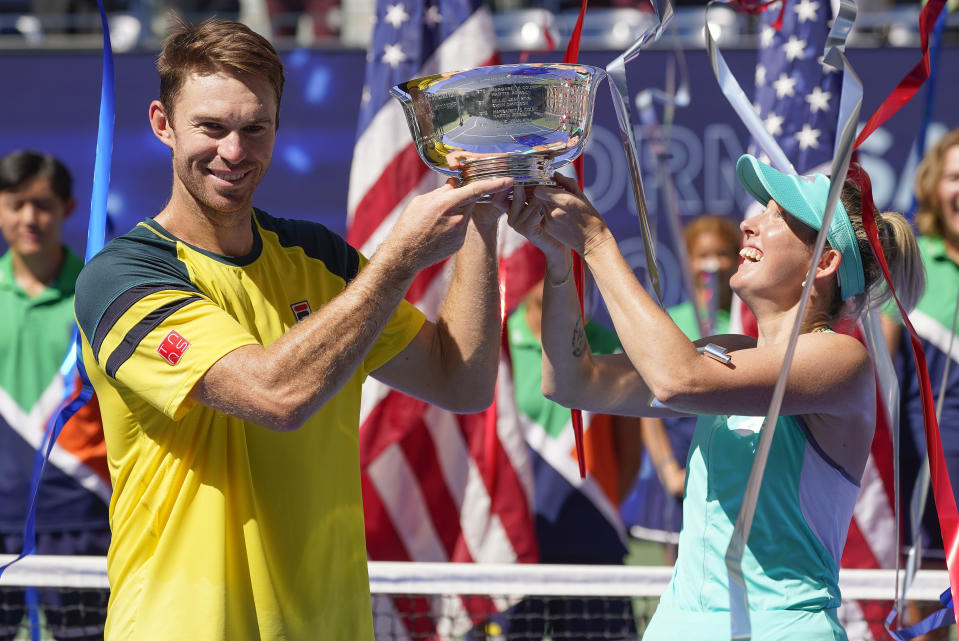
{"x": 96, "y": 233}
{"x": 616, "y": 70}
{"x": 645, "y": 101}
{"x": 576, "y": 416}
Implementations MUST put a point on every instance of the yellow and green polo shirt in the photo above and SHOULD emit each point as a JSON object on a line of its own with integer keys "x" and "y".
{"x": 223, "y": 529}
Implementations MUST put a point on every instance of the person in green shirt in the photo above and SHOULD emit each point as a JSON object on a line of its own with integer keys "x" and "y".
{"x": 37, "y": 277}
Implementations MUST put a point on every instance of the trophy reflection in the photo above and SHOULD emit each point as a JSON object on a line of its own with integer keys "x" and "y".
{"x": 524, "y": 121}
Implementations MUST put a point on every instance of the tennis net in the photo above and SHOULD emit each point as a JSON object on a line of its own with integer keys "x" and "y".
{"x": 458, "y": 601}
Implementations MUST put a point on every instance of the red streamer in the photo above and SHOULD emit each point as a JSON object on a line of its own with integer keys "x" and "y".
{"x": 909, "y": 85}
{"x": 778, "y": 22}
{"x": 938, "y": 471}
{"x": 753, "y": 7}
{"x": 572, "y": 49}
{"x": 571, "y": 56}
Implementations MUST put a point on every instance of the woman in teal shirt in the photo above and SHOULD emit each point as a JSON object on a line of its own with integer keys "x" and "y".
{"x": 791, "y": 561}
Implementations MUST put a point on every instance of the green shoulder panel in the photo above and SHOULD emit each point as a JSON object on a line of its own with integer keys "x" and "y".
{"x": 129, "y": 268}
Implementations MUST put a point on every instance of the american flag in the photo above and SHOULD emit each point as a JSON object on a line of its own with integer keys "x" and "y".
{"x": 798, "y": 100}
{"x": 436, "y": 486}
{"x": 798, "y": 97}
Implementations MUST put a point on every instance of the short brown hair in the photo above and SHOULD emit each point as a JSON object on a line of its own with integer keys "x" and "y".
{"x": 215, "y": 46}
{"x": 712, "y": 224}
{"x": 928, "y": 174}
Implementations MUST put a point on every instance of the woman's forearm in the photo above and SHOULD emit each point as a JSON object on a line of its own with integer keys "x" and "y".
{"x": 664, "y": 357}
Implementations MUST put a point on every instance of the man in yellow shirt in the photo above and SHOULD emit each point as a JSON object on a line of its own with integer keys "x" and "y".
{"x": 228, "y": 349}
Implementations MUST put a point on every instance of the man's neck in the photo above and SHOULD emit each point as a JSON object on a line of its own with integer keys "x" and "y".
{"x": 225, "y": 234}
{"x": 33, "y": 273}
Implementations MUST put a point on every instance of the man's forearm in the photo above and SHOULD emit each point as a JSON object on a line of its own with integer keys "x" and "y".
{"x": 281, "y": 386}
{"x": 468, "y": 327}
{"x": 310, "y": 363}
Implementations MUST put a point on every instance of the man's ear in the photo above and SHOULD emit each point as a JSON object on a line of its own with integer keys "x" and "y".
{"x": 68, "y": 206}
{"x": 828, "y": 264}
{"x": 160, "y": 124}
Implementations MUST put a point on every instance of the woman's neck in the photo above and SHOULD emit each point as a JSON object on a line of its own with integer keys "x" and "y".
{"x": 776, "y": 326}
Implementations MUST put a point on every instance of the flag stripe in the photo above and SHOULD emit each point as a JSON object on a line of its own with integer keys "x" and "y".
{"x": 483, "y": 537}
{"x": 935, "y": 333}
{"x": 874, "y": 517}
{"x": 599, "y": 438}
{"x": 425, "y": 280}
{"x": 516, "y": 517}
{"x": 431, "y": 490}
{"x": 430, "y": 181}
{"x": 384, "y": 537}
{"x": 523, "y": 268}
{"x": 882, "y": 459}
{"x": 420, "y": 452}
{"x": 411, "y": 612}
{"x": 399, "y": 177}
{"x": 509, "y": 424}
{"x": 396, "y": 483}
{"x": 90, "y": 473}
{"x": 858, "y": 554}
{"x": 386, "y": 423}
{"x": 560, "y": 454}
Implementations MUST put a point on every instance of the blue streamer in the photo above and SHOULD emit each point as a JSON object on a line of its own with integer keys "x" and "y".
{"x": 72, "y": 362}
{"x": 934, "y": 48}
{"x": 96, "y": 231}
{"x": 938, "y": 619}
{"x": 935, "y": 45}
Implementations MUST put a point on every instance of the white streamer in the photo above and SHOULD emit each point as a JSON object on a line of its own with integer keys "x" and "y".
{"x": 849, "y": 108}
{"x": 616, "y": 70}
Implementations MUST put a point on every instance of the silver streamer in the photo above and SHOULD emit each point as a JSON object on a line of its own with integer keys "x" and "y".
{"x": 618, "y": 87}
{"x": 850, "y": 104}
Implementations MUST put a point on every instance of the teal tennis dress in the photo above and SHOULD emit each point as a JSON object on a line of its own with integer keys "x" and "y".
{"x": 791, "y": 562}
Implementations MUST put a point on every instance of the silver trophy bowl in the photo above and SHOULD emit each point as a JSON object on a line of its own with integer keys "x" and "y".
{"x": 524, "y": 121}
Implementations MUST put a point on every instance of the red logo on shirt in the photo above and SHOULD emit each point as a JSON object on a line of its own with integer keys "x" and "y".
{"x": 172, "y": 347}
{"x": 301, "y": 310}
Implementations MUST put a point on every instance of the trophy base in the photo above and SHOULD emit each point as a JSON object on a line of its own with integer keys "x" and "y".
{"x": 525, "y": 169}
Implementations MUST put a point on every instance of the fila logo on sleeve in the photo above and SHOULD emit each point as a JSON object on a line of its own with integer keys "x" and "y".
{"x": 301, "y": 310}
{"x": 172, "y": 347}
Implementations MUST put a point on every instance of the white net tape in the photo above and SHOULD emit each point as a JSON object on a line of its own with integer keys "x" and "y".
{"x": 467, "y": 601}
{"x": 469, "y": 578}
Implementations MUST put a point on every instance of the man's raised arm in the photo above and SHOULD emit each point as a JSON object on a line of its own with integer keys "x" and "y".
{"x": 280, "y": 386}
